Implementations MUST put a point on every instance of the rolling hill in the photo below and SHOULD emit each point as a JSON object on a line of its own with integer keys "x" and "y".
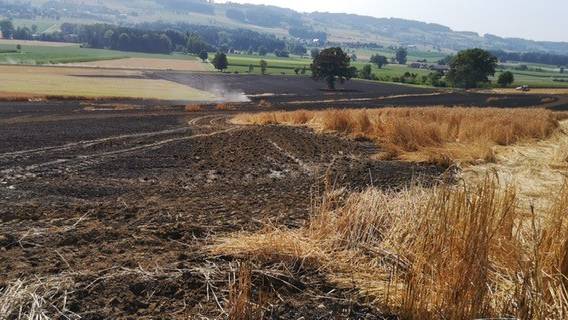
{"x": 334, "y": 27}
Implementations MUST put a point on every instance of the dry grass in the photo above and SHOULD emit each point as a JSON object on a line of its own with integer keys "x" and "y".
{"x": 42, "y": 298}
{"x": 265, "y": 104}
{"x": 37, "y": 43}
{"x": 432, "y": 134}
{"x": 535, "y": 168}
{"x": 37, "y": 82}
{"x": 193, "y": 108}
{"x": 240, "y": 296}
{"x": 538, "y": 91}
{"x": 148, "y": 64}
{"x": 225, "y": 107}
{"x": 446, "y": 253}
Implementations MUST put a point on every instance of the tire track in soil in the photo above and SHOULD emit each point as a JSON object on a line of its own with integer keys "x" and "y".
{"x": 89, "y": 143}
{"x": 80, "y": 162}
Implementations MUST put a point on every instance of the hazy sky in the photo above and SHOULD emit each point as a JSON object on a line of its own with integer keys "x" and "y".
{"x": 530, "y": 19}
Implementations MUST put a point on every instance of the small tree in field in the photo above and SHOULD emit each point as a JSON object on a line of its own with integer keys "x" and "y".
{"x": 203, "y": 55}
{"x": 220, "y": 61}
{"x": 263, "y": 66}
{"x": 401, "y": 55}
{"x": 379, "y": 60}
{"x": 333, "y": 64}
{"x": 366, "y": 72}
{"x": 506, "y": 79}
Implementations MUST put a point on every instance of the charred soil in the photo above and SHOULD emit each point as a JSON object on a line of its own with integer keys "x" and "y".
{"x": 110, "y": 209}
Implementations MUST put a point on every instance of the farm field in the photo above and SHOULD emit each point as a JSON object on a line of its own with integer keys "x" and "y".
{"x": 538, "y": 79}
{"x": 413, "y": 55}
{"x": 149, "y": 64}
{"x": 91, "y": 192}
{"x": 36, "y": 52}
{"x": 36, "y": 81}
{"x": 156, "y": 186}
{"x": 292, "y": 92}
{"x": 13, "y": 43}
{"x": 287, "y": 66}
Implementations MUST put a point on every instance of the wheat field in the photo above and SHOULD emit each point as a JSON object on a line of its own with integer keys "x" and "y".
{"x": 450, "y": 252}
{"x": 429, "y": 134}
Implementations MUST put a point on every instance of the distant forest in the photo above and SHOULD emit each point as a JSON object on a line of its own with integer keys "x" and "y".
{"x": 532, "y": 57}
{"x": 162, "y": 38}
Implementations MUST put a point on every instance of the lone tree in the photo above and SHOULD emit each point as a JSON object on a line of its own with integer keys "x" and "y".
{"x": 203, "y": 55}
{"x": 366, "y": 73}
{"x": 332, "y": 64}
{"x": 401, "y": 55}
{"x": 220, "y": 61}
{"x": 506, "y": 79}
{"x": 379, "y": 61}
{"x": 263, "y": 66}
{"x": 471, "y": 67}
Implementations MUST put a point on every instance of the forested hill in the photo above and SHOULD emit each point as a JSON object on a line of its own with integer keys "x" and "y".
{"x": 334, "y": 27}
{"x": 340, "y": 27}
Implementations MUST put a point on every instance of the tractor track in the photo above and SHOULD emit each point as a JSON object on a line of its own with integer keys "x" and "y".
{"x": 75, "y": 161}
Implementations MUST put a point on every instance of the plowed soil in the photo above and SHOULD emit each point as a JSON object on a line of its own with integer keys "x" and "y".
{"x": 107, "y": 207}
{"x": 105, "y": 212}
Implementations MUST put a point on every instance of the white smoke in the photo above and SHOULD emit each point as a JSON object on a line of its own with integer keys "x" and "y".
{"x": 227, "y": 95}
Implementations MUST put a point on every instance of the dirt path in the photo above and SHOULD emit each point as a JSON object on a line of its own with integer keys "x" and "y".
{"x": 536, "y": 169}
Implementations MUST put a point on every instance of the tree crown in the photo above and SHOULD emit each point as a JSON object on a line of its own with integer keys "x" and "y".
{"x": 332, "y": 64}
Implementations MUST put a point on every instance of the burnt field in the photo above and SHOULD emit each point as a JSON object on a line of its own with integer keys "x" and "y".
{"x": 293, "y": 92}
{"x": 106, "y": 213}
{"x": 107, "y": 207}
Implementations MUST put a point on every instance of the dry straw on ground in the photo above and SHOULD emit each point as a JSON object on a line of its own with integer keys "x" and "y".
{"x": 433, "y": 134}
{"x": 193, "y": 108}
{"x": 446, "y": 253}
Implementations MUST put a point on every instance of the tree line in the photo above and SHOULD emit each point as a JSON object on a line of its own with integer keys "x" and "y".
{"x": 160, "y": 37}
{"x": 532, "y": 57}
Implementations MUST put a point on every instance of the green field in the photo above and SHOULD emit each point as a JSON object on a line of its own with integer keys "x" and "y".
{"x": 413, "y": 55}
{"x": 277, "y": 65}
{"x": 38, "y": 54}
{"x": 542, "y": 79}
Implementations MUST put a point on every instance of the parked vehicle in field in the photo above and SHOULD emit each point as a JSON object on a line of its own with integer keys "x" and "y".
{"x": 524, "y": 88}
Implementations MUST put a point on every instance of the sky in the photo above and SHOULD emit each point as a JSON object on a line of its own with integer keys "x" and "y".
{"x": 528, "y": 19}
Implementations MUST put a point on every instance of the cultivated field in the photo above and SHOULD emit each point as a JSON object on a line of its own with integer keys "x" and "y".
{"x": 87, "y": 82}
{"x": 435, "y": 135}
{"x": 539, "y": 79}
{"x": 261, "y": 221}
{"x": 39, "y": 53}
{"x": 125, "y": 208}
{"x": 149, "y": 64}
{"x": 14, "y": 43}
